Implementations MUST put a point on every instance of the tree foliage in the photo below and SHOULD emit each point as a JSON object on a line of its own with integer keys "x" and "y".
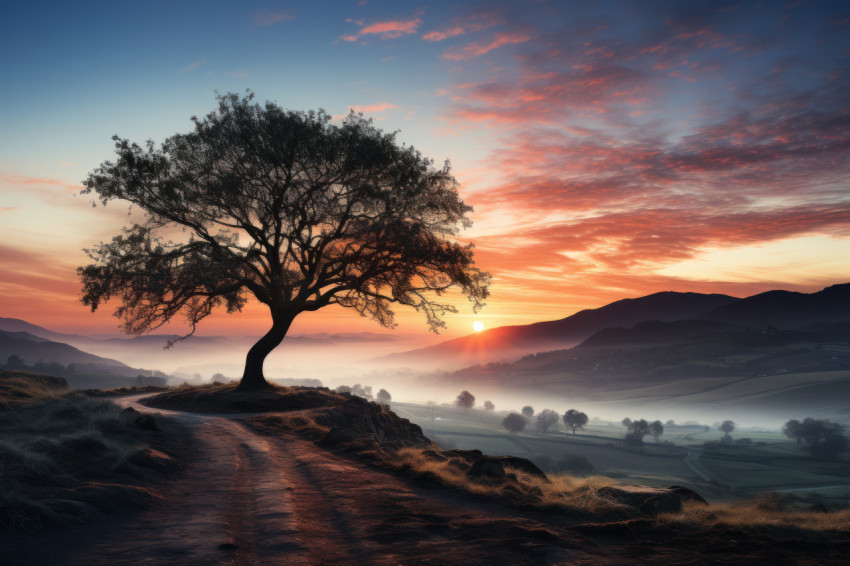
{"x": 285, "y": 207}
{"x": 465, "y": 400}
{"x": 514, "y": 423}
{"x": 727, "y": 427}
{"x": 545, "y": 420}
{"x": 384, "y": 397}
{"x": 575, "y": 419}
{"x": 819, "y": 437}
{"x": 528, "y": 412}
{"x": 489, "y": 406}
{"x": 656, "y": 429}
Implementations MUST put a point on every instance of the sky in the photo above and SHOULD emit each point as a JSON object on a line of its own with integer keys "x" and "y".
{"x": 610, "y": 149}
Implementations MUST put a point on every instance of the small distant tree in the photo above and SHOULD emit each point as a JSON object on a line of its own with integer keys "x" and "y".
{"x": 727, "y": 427}
{"x": 514, "y": 423}
{"x": 343, "y": 389}
{"x": 575, "y": 419}
{"x": 545, "y": 420}
{"x": 656, "y": 429}
{"x": 465, "y": 400}
{"x": 627, "y": 422}
{"x": 367, "y": 392}
{"x": 384, "y": 397}
{"x": 793, "y": 429}
{"x": 15, "y": 362}
{"x": 489, "y": 406}
{"x": 528, "y": 412}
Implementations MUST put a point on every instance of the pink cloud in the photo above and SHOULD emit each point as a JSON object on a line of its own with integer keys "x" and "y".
{"x": 445, "y": 34}
{"x": 476, "y": 49}
{"x": 390, "y": 29}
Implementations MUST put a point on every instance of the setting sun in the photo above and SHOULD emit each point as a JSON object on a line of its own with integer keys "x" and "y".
{"x": 478, "y": 326}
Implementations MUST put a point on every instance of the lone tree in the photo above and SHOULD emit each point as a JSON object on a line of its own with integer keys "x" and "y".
{"x": 727, "y": 427}
{"x": 656, "y": 429}
{"x": 489, "y": 406}
{"x": 545, "y": 420}
{"x": 284, "y": 206}
{"x": 575, "y": 419}
{"x": 384, "y": 397}
{"x": 514, "y": 423}
{"x": 465, "y": 400}
{"x": 528, "y": 412}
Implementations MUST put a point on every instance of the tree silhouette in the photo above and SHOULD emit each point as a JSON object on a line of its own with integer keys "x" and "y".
{"x": 514, "y": 423}
{"x": 545, "y": 420}
{"x": 575, "y": 419}
{"x": 384, "y": 397}
{"x": 656, "y": 429}
{"x": 727, "y": 427}
{"x": 820, "y": 437}
{"x": 465, "y": 400}
{"x": 288, "y": 208}
{"x": 489, "y": 406}
{"x": 528, "y": 412}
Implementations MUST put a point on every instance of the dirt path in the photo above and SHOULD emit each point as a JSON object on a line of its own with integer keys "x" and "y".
{"x": 245, "y": 498}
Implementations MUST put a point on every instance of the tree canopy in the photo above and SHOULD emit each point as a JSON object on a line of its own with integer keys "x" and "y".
{"x": 286, "y": 207}
{"x": 575, "y": 419}
{"x": 514, "y": 423}
{"x": 545, "y": 420}
{"x": 465, "y": 400}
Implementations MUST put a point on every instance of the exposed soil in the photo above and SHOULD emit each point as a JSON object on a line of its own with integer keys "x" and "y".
{"x": 251, "y": 498}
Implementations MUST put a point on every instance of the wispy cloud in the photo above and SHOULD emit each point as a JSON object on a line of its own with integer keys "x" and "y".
{"x": 389, "y": 29}
{"x": 25, "y": 180}
{"x": 265, "y": 18}
{"x": 444, "y": 34}
{"x": 639, "y": 147}
{"x": 475, "y": 49}
{"x": 193, "y": 65}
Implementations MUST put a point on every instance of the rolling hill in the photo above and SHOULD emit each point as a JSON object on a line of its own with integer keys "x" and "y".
{"x": 507, "y": 342}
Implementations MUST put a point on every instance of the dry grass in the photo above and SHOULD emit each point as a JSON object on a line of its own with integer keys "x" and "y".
{"x": 767, "y": 510}
{"x": 20, "y": 388}
{"x": 578, "y": 496}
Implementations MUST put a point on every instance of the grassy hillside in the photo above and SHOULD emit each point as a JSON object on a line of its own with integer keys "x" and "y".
{"x": 67, "y": 458}
{"x": 19, "y": 388}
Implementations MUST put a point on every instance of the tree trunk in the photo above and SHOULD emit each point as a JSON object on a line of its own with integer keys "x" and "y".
{"x": 253, "y": 378}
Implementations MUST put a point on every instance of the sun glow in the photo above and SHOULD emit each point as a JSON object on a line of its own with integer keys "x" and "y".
{"x": 478, "y": 326}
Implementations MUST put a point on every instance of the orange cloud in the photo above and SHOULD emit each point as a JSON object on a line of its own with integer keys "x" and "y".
{"x": 25, "y": 180}
{"x": 386, "y": 30}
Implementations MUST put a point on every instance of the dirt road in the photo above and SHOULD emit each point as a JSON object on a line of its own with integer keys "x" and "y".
{"x": 245, "y": 498}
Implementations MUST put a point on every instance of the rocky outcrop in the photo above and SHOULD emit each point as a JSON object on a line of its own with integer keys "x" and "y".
{"x": 366, "y": 424}
{"x": 650, "y": 500}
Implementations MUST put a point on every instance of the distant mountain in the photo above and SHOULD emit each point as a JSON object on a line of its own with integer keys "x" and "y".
{"x": 786, "y": 309}
{"x": 33, "y": 349}
{"x": 506, "y": 342}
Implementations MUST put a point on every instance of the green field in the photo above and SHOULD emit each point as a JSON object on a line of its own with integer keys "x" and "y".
{"x": 771, "y": 462}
